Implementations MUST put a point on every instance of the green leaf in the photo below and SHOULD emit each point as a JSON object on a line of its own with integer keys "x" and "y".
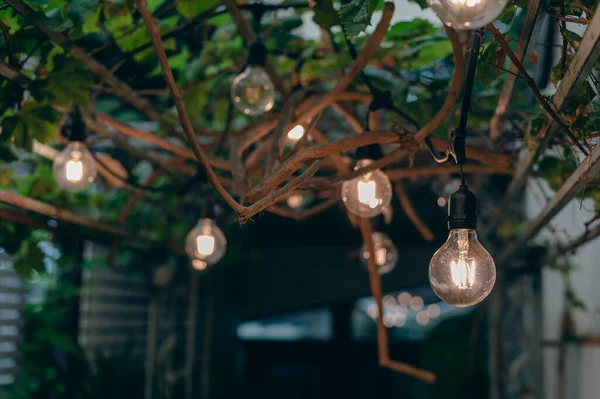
{"x": 70, "y": 83}
{"x": 194, "y": 98}
{"x": 325, "y": 15}
{"x": 355, "y": 16}
{"x": 79, "y": 10}
{"x": 92, "y": 23}
{"x": 34, "y": 121}
{"x": 191, "y": 8}
{"x": 11, "y": 19}
{"x": 31, "y": 258}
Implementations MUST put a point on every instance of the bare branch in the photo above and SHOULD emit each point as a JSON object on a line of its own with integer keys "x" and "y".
{"x": 305, "y": 213}
{"x": 382, "y": 336}
{"x": 46, "y": 209}
{"x": 292, "y": 164}
{"x": 277, "y": 195}
{"x": 458, "y": 77}
{"x": 183, "y": 116}
{"x": 531, "y": 83}
{"x": 367, "y": 52}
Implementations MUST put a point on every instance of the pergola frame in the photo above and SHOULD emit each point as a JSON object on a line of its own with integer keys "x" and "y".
{"x": 281, "y": 180}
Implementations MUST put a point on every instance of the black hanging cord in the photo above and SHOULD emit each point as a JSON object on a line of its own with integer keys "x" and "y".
{"x": 470, "y": 80}
{"x": 257, "y": 10}
{"x": 76, "y": 127}
{"x": 457, "y": 148}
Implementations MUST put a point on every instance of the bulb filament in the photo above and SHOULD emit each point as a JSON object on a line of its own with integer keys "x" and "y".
{"x": 463, "y": 273}
{"x": 74, "y": 171}
{"x": 367, "y": 194}
{"x": 380, "y": 256}
{"x": 205, "y": 245}
{"x": 252, "y": 93}
{"x": 463, "y": 269}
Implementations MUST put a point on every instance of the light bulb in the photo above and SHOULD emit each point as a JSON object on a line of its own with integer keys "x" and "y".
{"x": 467, "y": 14}
{"x": 74, "y": 167}
{"x": 386, "y": 253}
{"x": 205, "y": 244}
{"x": 369, "y": 194}
{"x": 295, "y": 201}
{"x": 296, "y": 133}
{"x": 252, "y": 91}
{"x": 462, "y": 273}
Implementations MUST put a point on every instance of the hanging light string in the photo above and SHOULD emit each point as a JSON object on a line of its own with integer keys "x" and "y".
{"x": 457, "y": 148}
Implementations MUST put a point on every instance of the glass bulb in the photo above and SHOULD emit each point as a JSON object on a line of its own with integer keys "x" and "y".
{"x": 252, "y": 91}
{"x": 467, "y": 14}
{"x": 205, "y": 244}
{"x": 462, "y": 273}
{"x": 296, "y": 133}
{"x": 74, "y": 167}
{"x": 295, "y": 201}
{"x": 369, "y": 194}
{"x": 386, "y": 253}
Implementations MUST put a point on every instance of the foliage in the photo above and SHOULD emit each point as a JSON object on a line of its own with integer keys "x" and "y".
{"x": 205, "y": 51}
{"x": 46, "y": 347}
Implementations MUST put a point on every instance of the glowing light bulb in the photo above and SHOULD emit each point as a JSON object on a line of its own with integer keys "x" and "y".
{"x": 386, "y": 253}
{"x": 252, "y": 91}
{"x": 74, "y": 167}
{"x": 205, "y": 244}
{"x": 467, "y": 14}
{"x": 295, "y": 201}
{"x": 296, "y": 133}
{"x": 369, "y": 194}
{"x": 462, "y": 273}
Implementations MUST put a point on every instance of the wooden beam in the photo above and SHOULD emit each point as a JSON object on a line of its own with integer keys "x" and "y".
{"x": 531, "y": 26}
{"x": 573, "y": 186}
{"x": 121, "y": 89}
{"x": 43, "y": 208}
{"x": 586, "y": 56}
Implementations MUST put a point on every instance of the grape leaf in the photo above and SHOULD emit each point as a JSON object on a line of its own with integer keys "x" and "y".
{"x": 325, "y": 15}
{"x": 70, "y": 83}
{"x": 34, "y": 121}
{"x": 191, "y": 8}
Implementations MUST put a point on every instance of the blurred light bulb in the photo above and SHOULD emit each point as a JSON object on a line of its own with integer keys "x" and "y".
{"x": 422, "y": 318}
{"x": 295, "y": 201}
{"x": 296, "y": 133}
{"x": 467, "y": 14}
{"x": 252, "y": 91}
{"x": 74, "y": 167}
{"x": 205, "y": 243}
{"x": 404, "y": 298}
{"x": 416, "y": 303}
{"x": 369, "y": 194}
{"x": 386, "y": 253}
{"x": 199, "y": 264}
{"x": 433, "y": 310}
{"x": 462, "y": 273}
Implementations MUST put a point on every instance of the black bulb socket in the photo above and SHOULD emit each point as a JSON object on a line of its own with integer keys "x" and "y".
{"x": 462, "y": 209}
{"x": 257, "y": 54}
{"x": 208, "y": 210}
{"x": 371, "y": 151}
{"x": 77, "y": 131}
